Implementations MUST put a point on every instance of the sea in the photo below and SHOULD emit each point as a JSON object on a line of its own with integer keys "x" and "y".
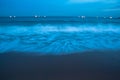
{"x": 59, "y": 35}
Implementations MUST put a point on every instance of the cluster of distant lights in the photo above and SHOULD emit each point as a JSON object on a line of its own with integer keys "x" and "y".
{"x": 83, "y": 17}
{"x": 34, "y": 16}
{"x": 12, "y": 16}
{"x": 39, "y": 16}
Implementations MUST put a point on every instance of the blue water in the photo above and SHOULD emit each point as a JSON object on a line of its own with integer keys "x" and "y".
{"x": 59, "y": 38}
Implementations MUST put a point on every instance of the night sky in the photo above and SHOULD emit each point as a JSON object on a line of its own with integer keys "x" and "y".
{"x": 60, "y": 7}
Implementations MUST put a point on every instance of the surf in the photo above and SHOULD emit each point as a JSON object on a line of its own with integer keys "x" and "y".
{"x": 59, "y": 39}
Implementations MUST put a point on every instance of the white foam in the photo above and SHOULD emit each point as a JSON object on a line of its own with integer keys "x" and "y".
{"x": 59, "y": 39}
{"x": 36, "y": 29}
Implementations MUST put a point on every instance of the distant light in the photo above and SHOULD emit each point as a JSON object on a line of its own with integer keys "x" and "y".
{"x": 44, "y": 16}
{"x": 110, "y": 17}
{"x": 14, "y": 16}
{"x": 104, "y": 17}
{"x": 36, "y": 16}
{"x": 10, "y": 16}
{"x": 83, "y": 16}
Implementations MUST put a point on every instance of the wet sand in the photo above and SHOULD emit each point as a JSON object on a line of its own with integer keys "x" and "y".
{"x": 84, "y": 66}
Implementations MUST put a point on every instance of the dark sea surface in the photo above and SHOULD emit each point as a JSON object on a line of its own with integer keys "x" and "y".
{"x": 59, "y": 48}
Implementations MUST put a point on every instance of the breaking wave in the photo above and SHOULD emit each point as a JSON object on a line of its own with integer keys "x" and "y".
{"x": 59, "y": 39}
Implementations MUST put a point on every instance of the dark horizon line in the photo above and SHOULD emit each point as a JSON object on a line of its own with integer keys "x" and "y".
{"x": 38, "y": 16}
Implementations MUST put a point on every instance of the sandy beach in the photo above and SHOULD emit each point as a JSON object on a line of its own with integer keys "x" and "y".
{"x": 95, "y": 65}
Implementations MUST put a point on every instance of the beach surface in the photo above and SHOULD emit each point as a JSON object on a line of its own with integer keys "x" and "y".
{"x": 95, "y": 65}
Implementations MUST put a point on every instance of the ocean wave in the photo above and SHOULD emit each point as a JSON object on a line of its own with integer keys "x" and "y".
{"x": 59, "y": 39}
